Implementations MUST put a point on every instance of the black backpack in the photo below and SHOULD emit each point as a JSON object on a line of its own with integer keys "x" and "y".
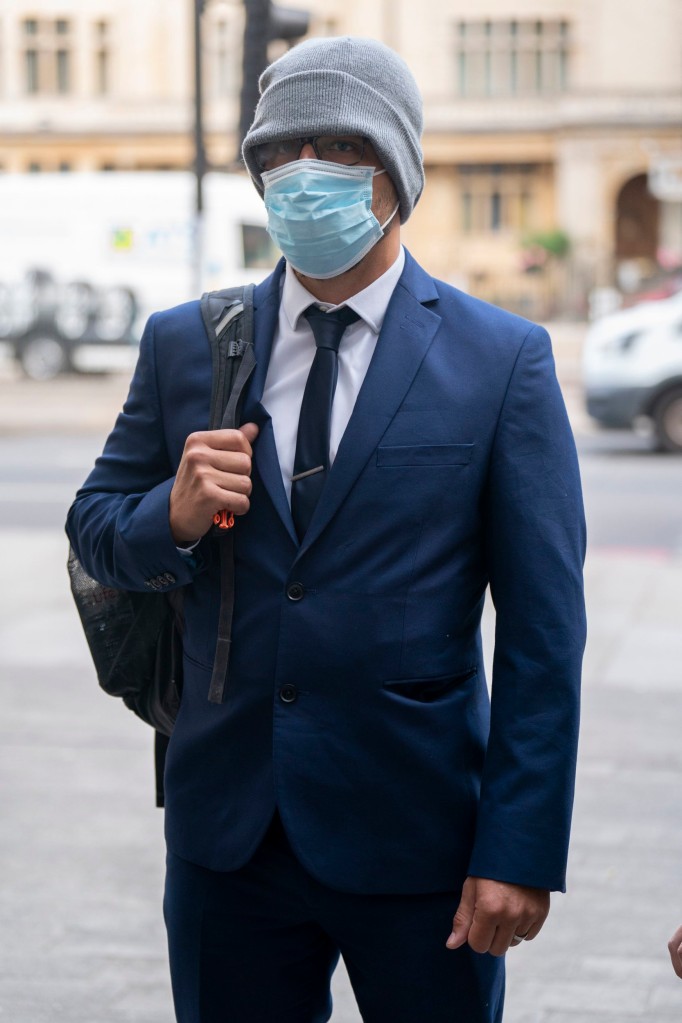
{"x": 135, "y": 638}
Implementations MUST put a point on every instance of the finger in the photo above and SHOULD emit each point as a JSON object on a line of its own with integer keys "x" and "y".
{"x": 228, "y": 440}
{"x": 676, "y": 959}
{"x": 237, "y": 500}
{"x": 223, "y": 451}
{"x": 520, "y": 935}
{"x": 511, "y": 936}
{"x": 482, "y": 933}
{"x": 507, "y": 936}
{"x": 232, "y": 483}
{"x": 504, "y": 938}
{"x": 234, "y": 463}
{"x": 675, "y": 949}
{"x": 250, "y": 431}
{"x": 524, "y": 932}
{"x": 533, "y": 930}
{"x": 463, "y": 917}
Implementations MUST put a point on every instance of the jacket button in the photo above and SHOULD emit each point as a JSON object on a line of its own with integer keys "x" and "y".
{"x": 288, "y": 694}
{"x": 295, "y": 591}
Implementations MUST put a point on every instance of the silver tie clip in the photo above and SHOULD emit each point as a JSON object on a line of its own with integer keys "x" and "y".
{"x": 308, "y": 472}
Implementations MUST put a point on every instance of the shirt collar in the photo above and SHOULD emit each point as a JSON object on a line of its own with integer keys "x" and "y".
{"x": 370, "y": 304}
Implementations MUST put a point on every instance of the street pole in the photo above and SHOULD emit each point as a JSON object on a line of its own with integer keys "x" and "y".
{"x": 254, "y": 61}
{"x": 199, "y": 155}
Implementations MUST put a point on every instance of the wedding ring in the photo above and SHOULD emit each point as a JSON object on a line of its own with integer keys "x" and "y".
{"x": 520, "y": 937}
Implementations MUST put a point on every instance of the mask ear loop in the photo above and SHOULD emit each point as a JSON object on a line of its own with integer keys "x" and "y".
{"x": 387, "y": 222}
{"x": 397, "y": 205}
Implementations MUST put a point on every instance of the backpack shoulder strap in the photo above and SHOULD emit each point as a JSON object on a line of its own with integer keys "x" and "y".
{"x": 228, "y": 319}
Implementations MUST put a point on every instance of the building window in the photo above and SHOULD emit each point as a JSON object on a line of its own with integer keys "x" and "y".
{"x": 498, "y": 197}
{"x": 63, "y": 71}
{"x": 102, "y": 73}
{"x": 512, "y": 58}
{"x": 102, "y": 58}
{"x": 31, "y": 58}
{"x": 47, "y": 56}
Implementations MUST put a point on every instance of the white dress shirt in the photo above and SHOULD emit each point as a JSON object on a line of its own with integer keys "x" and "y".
{"x": 293, "y": 350}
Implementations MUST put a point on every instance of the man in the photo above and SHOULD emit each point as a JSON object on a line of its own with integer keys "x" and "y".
{"x": 353, "y": 793}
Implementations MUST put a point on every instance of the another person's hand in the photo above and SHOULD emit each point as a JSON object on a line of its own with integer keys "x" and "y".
{"x": 675, "y": 949}
{"x": 493, "y": 916}
{"x": 214, "y": 473}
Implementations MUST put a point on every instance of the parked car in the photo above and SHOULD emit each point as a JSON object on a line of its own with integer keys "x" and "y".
{"x": 632, "y": 370}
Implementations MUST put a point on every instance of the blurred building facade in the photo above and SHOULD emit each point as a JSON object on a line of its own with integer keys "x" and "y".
{"x": 552, "y": 147}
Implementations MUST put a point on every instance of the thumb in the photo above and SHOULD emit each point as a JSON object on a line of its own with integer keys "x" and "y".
{"x": 464, "y": 916}
{"x": 250, "y": 431}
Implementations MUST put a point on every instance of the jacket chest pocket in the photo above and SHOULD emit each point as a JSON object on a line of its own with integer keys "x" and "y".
{"x": 419, "y": 455}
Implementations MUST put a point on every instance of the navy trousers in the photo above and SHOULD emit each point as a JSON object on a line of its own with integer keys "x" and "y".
{"x": 260, "y": 944}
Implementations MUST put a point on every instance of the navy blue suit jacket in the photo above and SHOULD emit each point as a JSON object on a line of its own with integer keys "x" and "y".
{"x": 391, "y": 770}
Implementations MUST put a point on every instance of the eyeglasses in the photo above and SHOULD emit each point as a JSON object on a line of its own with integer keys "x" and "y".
{"x": 344, "y": 149}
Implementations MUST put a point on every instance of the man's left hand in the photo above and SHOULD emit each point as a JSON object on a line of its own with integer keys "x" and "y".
{"x": 675, "y": 949}
{"x": 493, "y": 916}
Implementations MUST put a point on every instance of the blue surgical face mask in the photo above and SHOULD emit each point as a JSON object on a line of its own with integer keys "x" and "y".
{"x": 320, "y": 215}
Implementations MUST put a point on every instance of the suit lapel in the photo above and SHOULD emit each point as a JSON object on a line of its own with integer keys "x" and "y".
{"x": 406, "y": 335}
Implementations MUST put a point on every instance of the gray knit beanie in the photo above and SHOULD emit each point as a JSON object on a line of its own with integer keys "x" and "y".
{"x": 344, "y": 86}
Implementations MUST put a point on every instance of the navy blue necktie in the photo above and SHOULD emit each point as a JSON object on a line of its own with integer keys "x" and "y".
{"x": 311, "y": 463}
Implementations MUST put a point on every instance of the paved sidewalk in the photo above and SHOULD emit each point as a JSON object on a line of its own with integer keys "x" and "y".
{"x": 81, "y": 851}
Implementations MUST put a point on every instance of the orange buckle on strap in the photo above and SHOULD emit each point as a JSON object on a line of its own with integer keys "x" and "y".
{"x": 224, "y": 519}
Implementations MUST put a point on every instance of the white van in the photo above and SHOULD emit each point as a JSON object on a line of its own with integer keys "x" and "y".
{"x": 632, "y": 370}
{"x": 85, "y": 258}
